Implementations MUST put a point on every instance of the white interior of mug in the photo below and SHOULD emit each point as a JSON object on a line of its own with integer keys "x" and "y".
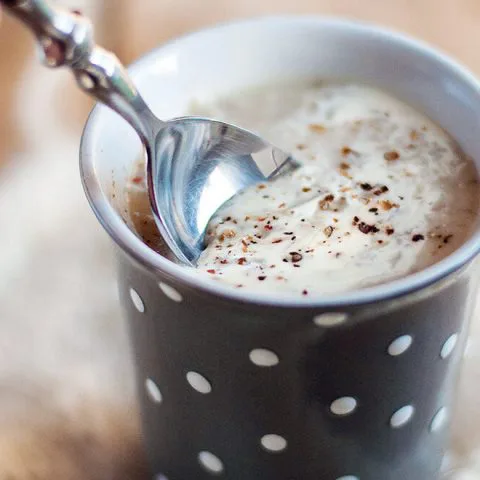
{"x": 230, "y": 57}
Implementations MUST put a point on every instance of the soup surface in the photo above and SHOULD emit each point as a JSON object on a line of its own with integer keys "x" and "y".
{"x": 383, "y": 192}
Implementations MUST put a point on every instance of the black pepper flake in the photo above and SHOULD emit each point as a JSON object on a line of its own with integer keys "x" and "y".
{"x": 293, "y": 238}
{"x": 316, "y": 127}
{"x": 366, "y": 186}
{"x": 296, "y": 265}
{"x": 328, "y": 231}
{"x": 348, "y": 151}
{"x": 304, "y": 292}
{"x": 417, "y": 237}
{"x": 262, "y": 277}
{"x": 389, "y": 231}
{"x": 366, "y": 229}
{"x": 285, "y": 260}
{"x": 391, "y": 156}
{"x": 381, "y": 190}
{"x": 373, "y": 210}
{"x": 355, "y": 220}
{"x": 324, "y": 204}
{"x": 295, "y": 256}
{"x": 447, "y": 238}
{"x": 288, "y": 233}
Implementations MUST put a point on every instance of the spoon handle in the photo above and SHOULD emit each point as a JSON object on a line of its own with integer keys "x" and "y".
{"x": 66, "y": 39}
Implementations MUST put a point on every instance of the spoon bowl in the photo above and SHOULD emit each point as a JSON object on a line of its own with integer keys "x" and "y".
{"x": 193, "y": 165}
{"x": 196, "y": 165}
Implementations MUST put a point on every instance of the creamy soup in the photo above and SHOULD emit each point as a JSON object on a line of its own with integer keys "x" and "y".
{"x": 383, "y": 192}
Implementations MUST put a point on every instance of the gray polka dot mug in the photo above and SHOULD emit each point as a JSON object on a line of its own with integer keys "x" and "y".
{"x": 357, "y": 386}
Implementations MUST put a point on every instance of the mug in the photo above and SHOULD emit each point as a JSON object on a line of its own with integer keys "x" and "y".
{"x": 245, "y": 386}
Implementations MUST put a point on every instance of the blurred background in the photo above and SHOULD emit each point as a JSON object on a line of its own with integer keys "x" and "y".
{"x": 67, "y": 407}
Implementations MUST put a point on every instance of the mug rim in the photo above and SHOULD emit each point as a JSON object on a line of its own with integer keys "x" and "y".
{"x": 130, "y": 243}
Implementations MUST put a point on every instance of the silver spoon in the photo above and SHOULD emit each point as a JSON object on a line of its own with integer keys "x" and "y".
{"x": 193, "y": 165}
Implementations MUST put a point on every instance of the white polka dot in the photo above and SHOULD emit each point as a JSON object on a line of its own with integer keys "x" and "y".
{"x": 210, "y": 462}
{"x": 449, "y": 345}
{"x": 348, "y": 477}
{"x": 137, "y": 300}
{"x": 402, "y": 416}
{"x": 153, "y": 391}
{"x": 263, "y": 358}
{"x": 448, "y": 462}
{"x": 331, "y": 319}
{"x": 400, "y": 345}
{"x": 343, "y": 406}
{"x": 199, "y": 382}
{"x": 470, "y": 348}
{"x": 273, "y": 443}
{"x": 160, "y": 477}
{"x": 439, "y": 420}
{"x": 170, "y": 292}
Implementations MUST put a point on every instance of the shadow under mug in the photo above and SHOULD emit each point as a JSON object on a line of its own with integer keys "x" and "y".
{"x": 357, "y": 386}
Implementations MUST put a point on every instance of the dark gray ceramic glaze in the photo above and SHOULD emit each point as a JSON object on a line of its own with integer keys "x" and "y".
{"x": 317, "y": 365}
